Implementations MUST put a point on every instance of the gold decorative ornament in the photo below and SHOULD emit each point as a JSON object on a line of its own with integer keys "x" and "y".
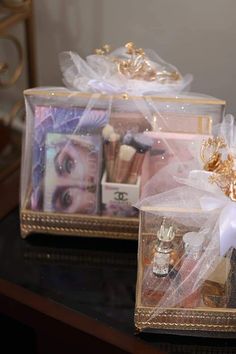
{"x": 105, "y": 49}
{"x": 224, "y": 174}
{"x": 138, "y": 66}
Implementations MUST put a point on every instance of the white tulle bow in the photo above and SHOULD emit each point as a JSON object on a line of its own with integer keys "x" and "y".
{"x": 216, "y": 201}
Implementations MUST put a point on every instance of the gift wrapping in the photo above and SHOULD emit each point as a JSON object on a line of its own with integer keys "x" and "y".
{"x": 186, "y": 261}
{"x": 107, "y": 122}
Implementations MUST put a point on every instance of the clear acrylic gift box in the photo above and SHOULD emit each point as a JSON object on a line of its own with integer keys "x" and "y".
{"x": 65, "y": 128}
{"x": 84, "y": 144}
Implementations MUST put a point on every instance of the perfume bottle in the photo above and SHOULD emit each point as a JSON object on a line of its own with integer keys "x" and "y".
{"x": 164, "y": 248}
{"x": 193, "y": 246}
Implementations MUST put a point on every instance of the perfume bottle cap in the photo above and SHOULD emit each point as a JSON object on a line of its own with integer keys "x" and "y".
{"x": 165, "y": 233}
{"x": 193, "y": 242}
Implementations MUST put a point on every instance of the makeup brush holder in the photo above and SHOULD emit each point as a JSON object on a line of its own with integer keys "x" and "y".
{"x": 118, "y": 198}
{"x": 66, "y": 151}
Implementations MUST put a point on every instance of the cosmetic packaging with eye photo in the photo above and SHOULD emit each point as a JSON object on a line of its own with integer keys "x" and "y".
{"x": 72, "y": 174}
{"x": 59, "y": 120}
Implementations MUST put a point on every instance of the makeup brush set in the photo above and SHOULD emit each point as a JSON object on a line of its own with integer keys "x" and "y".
{"x": 124, "y": 158}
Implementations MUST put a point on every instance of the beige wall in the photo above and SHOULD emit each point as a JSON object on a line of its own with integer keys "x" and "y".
{"x": 196, "y": 36}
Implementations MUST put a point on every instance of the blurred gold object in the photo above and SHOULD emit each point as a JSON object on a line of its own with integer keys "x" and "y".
{"x": 138, "y": 66}
{"x": 106, "y": 48}
{"x": 4, "y": 66}
{"x": 214, "y": 294}
{"x": 224, "y": 174}
{"x": 210, "y": 154}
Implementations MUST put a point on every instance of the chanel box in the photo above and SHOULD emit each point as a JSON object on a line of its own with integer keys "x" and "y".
{"x": 118, "y": 198}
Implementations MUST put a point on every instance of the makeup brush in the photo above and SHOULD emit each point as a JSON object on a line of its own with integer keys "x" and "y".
{"x": 123, "y": 163}
{"x": 142, "y": 144}
{"x": 107, "y": 131}
{"x": 111, "y": 148}
{"x": 128, "y": 138}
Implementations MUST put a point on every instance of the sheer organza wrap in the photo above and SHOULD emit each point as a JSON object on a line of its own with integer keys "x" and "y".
{"x": 99, "y": 73}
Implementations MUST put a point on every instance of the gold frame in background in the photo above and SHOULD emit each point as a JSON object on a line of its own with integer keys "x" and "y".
{"x": 4, "y": 66}
{"x": 178, "y": 319}
{"x": 17, "y": 6}
{"x": 14, "y": 13}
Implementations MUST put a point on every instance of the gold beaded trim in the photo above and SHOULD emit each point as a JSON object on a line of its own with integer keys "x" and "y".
{"x": 187, "y": 320}
{"x": 78, "y": 225}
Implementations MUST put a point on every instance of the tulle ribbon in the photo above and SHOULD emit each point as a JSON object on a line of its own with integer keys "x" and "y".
{"x": 102, "y": 73}
{"x": 227, "y": 220}
{"x": 216, "y": 201}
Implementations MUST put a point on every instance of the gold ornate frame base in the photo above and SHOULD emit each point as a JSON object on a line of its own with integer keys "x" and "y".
{"x": 220, "y": 320}
{"x": 78, "y": 225}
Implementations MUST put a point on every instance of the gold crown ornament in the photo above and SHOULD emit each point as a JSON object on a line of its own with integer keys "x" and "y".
{"x": 224, "y": 174}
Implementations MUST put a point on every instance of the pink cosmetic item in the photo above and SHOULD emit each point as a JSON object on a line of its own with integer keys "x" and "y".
{"x": 129, "y": 121}
{"x": 172, "y": 151}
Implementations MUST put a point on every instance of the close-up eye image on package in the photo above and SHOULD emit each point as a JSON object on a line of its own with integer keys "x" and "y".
{"x": 118, "y": 176}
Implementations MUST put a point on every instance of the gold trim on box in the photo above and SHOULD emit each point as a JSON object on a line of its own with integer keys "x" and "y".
{"x": 170, "y": 209}
{"x": 200, "y": 125}
{"x": 78, "y": 225}
{"x": 61, "y": 93}
{"x": 222, "y": 320}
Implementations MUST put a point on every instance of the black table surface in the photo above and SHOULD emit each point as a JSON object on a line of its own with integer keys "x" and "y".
{"x": 92, "y": 278}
